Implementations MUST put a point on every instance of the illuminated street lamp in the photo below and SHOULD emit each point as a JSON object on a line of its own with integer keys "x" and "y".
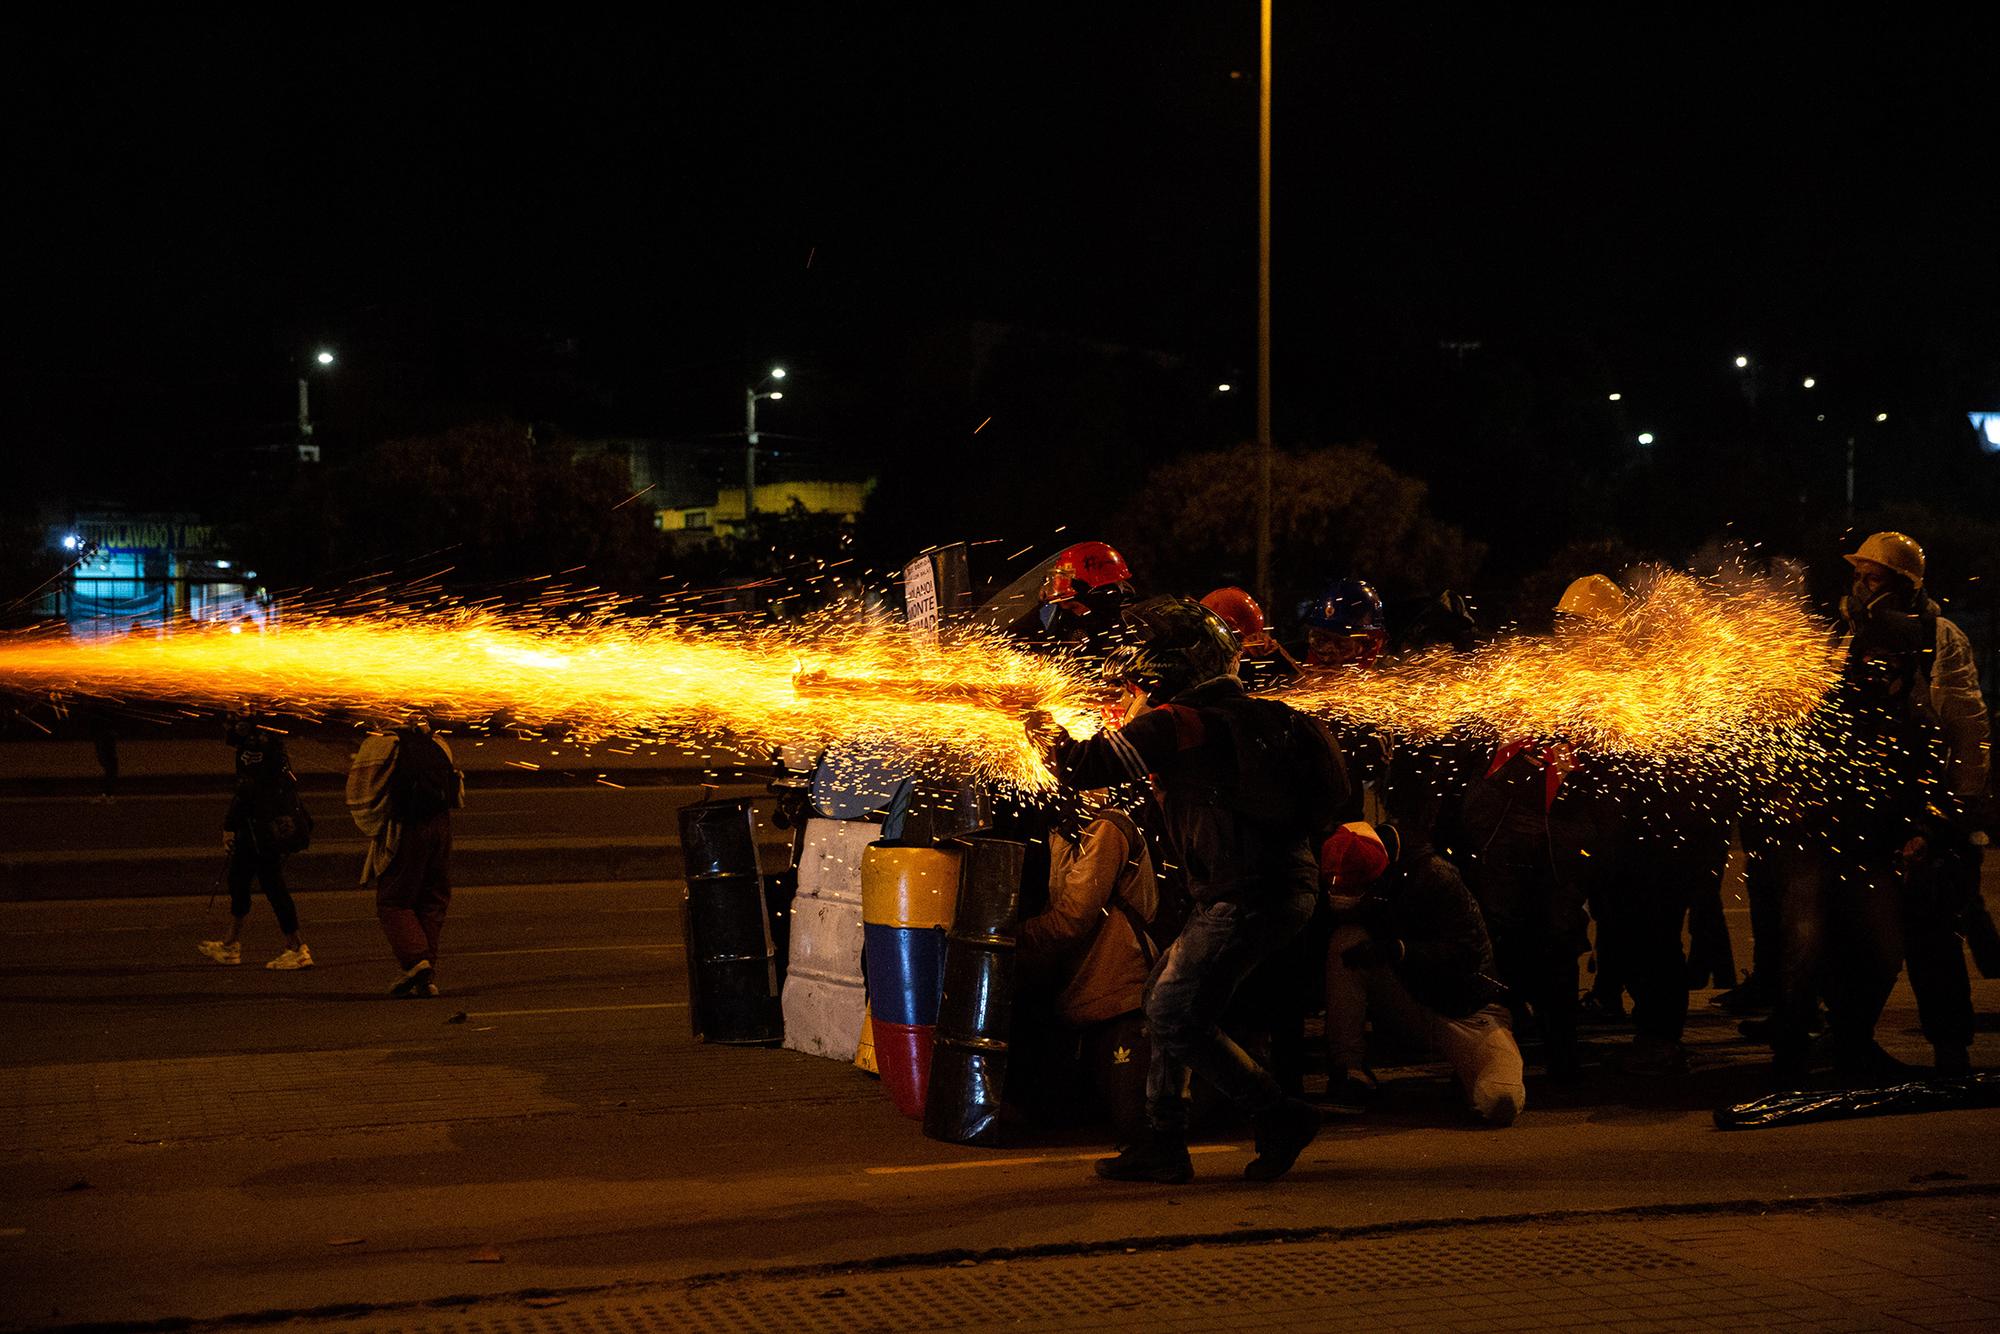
{"x": 1616, "y": 397}
{"x": 308, "y": 451}
{"x": 1645, "y": 437}
{"x": 751, "y": 397}
{"x": 1810, "y": 382}
{"x": 1742, "y": 363}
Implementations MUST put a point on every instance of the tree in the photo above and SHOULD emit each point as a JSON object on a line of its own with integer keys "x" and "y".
{"x": 1335, "y": 511}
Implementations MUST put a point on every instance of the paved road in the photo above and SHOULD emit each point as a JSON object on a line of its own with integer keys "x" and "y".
{"x": 180, "y": 1139}
{"x": 65, "y": 845}
{"x": 194, "y": 820}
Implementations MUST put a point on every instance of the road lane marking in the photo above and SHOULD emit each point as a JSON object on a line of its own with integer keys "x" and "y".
{"x": 564, "y": 949}
{"x": 575, "y": 1009}
{"x": 1025, "y": 1162}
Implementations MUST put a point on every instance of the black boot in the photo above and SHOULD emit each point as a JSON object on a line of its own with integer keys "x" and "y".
{"x": 1153, "y": 1156}
{"x": 1282, "y": 1135}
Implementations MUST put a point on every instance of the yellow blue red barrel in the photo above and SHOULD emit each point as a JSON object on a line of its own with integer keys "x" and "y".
{"x": 907, "y": 899}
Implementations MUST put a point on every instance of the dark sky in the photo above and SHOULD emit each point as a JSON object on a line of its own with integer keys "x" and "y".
{"x": 622, "y": 219}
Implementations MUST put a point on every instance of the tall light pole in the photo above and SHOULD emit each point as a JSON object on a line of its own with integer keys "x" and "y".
{"x": 750, "y": 399}
{"x": 1264, "y": 315}
{"x": 307, "y": 450}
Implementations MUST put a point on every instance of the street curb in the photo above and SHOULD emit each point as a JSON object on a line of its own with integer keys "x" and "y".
{"x": 1053, "y": 1250}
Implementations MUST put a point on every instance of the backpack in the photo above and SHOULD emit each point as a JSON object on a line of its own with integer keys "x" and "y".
{"x": 1286, "y": 770}
{"x": 424, "y": 781}
{"x": 292, "y": 827}
{"x": 1159, "y": 909}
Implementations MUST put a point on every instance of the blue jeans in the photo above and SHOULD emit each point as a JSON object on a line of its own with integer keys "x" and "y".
{"x": 1190, "y": 988}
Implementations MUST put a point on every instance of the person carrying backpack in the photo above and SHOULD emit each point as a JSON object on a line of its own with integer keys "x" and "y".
{"x": 1084, "y": 961}
{"x": 265, "y": 822}
{"x": 1248, "y": 788}
{"x": 401, "y": 791}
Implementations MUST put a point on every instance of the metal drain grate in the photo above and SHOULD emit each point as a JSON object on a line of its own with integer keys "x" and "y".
{"x": 1151, "y": 1288}
{"x": 1976, "y": 1221}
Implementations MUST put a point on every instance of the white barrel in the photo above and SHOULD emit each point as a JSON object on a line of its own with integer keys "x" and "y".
{"x": 823, "y": 999}
{"x": 830, "y": 864}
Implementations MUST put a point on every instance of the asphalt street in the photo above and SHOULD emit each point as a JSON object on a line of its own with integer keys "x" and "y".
{"x": 184, "y": 1140}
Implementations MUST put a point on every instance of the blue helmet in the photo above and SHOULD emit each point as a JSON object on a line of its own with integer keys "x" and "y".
{"x": 1346, "y": 607}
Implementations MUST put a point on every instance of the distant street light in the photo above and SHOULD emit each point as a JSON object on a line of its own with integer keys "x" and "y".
{"x": 1224, "y": 388}
{"x": 750, "y": 400}
{"x": 1810, "y": 382}
{"x": 1645, "y": 437}
{"x": 1742, "y": 363}
{"x": 308, "y": 451}
{"x": 1616, "y": 397}
{"x": 1881, "y": 416}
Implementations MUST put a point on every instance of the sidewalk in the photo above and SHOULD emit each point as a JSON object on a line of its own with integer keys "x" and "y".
{"x": 1924, "y": 1262}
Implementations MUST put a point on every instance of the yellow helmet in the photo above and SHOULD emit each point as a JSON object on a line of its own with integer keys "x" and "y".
{"x": 1893, "y": 551}
{"x": 1594, "y": 598}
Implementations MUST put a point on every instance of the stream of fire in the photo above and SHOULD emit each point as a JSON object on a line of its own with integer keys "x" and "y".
{"x": 1694, "y": 670}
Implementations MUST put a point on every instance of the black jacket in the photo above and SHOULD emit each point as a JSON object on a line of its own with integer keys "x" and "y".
{"x": 1447, "y": 963}
{"x": 1248, "y": 787}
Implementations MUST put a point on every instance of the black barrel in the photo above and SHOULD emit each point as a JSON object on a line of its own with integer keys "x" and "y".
{"x": 969, "y": 1051}
{"x": 732, "y": 966}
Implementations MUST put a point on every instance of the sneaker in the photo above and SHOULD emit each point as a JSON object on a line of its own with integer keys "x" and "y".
{"x": 1351, "y": 1094}
{"x": 1150, "y": 1158}
{"x": 426, "y": 991}
{"x": 1282, "y": 1135}
{"x": 292, "y": 959}
{"x": 413, "y": 982}
{"x": 1506, "y": 1109}
{"x": 221, "y": 952}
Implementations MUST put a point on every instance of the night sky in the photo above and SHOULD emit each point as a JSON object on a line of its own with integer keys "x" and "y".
{"x": 609, "y": 226}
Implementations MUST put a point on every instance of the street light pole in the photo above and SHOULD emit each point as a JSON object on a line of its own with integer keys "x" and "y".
{"x": 750, "y": 397}
{"x": 1264, "y": 315}
{"x": 307, "y": 450}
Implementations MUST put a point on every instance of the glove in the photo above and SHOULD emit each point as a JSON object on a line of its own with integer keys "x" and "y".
{"x": 1373, "y": 953}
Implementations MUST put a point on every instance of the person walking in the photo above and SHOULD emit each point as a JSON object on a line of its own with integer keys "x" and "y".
{"x": 1248, "y": 788}
{"x": 258, "y": 831}
{"x": 401, "y": 790}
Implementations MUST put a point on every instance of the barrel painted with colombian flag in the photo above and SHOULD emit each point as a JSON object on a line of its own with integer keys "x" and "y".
{"x": 907, "y": 898}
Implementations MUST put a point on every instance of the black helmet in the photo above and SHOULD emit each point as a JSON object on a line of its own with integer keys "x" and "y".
{"x": 1172, "y": 644}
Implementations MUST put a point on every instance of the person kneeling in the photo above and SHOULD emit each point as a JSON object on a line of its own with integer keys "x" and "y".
{"x": 1410, "y": 950}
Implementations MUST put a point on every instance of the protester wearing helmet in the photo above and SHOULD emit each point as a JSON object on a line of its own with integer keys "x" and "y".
{"x": 1410, "y": 951}
{"x": 1086, "y": 588}
{"x": 1344, "y": 625}
{"x": 1592, "y": 598}
{"x": 1248, "y": 788}
{"x": 1264, "y": 663}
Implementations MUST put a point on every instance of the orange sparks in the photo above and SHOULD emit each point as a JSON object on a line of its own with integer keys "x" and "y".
{"x": 866, "y": 685}
{"x": 1693, "y": 668}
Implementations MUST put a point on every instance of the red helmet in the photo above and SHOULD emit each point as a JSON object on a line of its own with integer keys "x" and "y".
{"x": 1242, "y": 614}
{"x": 1086, "y": 568}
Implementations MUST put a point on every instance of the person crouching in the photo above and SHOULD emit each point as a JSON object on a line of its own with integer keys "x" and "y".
{"x": 1409, "y": 949}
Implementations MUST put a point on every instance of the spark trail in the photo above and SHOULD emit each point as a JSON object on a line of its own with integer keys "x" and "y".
{"x": 1695, "y": 670}
{"x": 869, "y": 685}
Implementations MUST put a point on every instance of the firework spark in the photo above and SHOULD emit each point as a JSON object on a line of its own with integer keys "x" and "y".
{"x": 868, "y": 685}
{"x": 1694, "y": 668}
